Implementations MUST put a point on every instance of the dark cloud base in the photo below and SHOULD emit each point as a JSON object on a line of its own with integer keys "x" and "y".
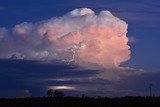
{"x": 32, "y": 76}
{"x": 21, "y": 78}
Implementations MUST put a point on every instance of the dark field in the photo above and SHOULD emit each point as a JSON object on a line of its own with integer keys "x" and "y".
{"x": 81, "y": 102}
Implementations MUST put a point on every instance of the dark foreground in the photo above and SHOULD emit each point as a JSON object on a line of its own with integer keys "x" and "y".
{"x": 81, "y": 102}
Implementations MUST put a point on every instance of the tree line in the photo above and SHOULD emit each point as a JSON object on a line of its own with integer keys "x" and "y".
{"x": 56, "y": 93}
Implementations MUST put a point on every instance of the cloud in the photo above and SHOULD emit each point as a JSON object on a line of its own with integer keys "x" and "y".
{"x": 98, "y": 42}
{"x": 79, "y": 36}
{"x": 140, "y": 84}
{"x": 33, "y": 78}
{"x": 132, "y": 40}
{"x": 145, "y": 12}
{"x": 22, "y": 78}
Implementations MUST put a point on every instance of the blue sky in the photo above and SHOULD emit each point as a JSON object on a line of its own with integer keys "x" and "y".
{"x": 142, "y": 17}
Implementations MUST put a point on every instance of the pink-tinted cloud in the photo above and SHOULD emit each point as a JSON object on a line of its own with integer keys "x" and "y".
{"x": 80, "y": 36}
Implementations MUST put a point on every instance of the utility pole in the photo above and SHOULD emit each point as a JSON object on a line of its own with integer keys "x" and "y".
{"x": 150, "y": 89}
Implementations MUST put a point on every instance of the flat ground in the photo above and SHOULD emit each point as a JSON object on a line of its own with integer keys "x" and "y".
{"x": 81, "y": 102}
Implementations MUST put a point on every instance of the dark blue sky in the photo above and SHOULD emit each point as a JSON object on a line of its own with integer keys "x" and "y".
{"x": 142, "y": 17}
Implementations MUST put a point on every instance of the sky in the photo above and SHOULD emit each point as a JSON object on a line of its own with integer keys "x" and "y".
{"x": 132, "y": 74}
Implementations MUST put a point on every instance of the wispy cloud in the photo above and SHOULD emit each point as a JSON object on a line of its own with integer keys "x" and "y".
{"x": 33, "y": 78}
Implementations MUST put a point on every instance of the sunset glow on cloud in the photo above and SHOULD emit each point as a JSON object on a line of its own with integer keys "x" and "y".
{"x": 80, "y": 36}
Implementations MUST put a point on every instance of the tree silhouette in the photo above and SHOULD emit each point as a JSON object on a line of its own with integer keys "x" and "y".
{"x": 58, "y": 94}
{"x": 50, "y": 92}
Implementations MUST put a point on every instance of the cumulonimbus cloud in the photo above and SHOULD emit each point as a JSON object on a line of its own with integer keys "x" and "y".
{"x": 80, "y": 36}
